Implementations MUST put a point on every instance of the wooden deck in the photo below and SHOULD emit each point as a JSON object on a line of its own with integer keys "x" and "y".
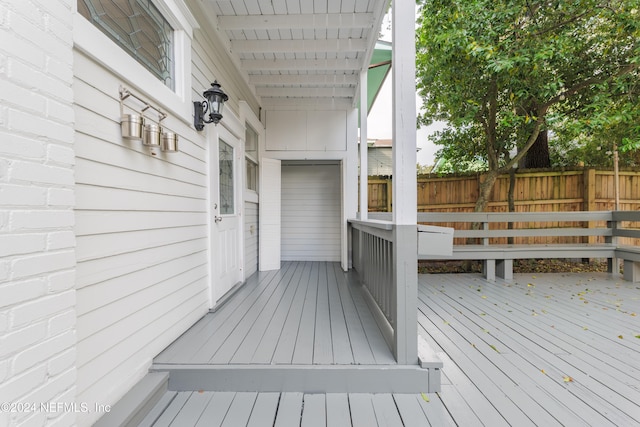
{"x": 545, "y": 350}
{"x": 306, "y": 313}
{"x": 304, "y": 328}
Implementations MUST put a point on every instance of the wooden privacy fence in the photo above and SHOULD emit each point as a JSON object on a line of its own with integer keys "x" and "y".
{"x": 534, "y": 191}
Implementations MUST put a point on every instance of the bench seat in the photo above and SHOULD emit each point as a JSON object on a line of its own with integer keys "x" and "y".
{"x": 631, "y": 257}
{"x": 498, "y": 259}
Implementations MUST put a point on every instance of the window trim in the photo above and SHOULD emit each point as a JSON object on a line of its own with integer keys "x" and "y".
{"x": 97, "y": 45}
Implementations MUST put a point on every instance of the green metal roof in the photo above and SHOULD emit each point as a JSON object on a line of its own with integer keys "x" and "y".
{"x": 378, "y": 69}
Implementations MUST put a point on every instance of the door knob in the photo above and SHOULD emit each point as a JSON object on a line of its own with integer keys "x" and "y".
{"x": 217, "y": 219}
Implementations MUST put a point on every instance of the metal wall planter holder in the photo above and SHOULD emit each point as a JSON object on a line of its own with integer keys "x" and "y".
{"x": 136, "y": 126}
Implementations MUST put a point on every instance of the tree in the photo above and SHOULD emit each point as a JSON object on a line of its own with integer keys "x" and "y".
{"x": 501, "y": 72}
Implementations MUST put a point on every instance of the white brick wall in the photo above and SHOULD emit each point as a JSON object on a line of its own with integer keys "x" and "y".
{"x": 37, "y": 196}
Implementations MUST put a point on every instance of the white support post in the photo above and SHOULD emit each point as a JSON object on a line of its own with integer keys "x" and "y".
{"x": 405, "y": 207}
{"x": 364, "y": 165}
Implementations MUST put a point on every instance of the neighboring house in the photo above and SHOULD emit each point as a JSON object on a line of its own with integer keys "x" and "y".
{"x": 380, "y": 157}
{"x": 112, "y": 249}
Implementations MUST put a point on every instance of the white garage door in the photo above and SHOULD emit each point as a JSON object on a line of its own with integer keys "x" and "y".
{"x": 310, "y": 212}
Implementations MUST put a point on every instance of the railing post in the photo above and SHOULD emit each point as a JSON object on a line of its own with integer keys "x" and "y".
{"x": 405, "y": 284}
{"x": 405, "y": 205}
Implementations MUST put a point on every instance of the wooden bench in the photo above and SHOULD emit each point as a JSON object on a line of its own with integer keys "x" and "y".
{"x": 596, "y": 235}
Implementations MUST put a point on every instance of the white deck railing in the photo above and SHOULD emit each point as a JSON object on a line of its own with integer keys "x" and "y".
{"x": 373, "y": 260}
{"x": 383, "y": 264}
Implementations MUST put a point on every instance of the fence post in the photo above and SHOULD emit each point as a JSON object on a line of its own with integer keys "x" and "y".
{"x": 389, "y": 187}
{"x": 589, "y": 197}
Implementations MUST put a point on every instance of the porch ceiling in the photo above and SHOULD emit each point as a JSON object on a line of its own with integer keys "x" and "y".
{"x": 301, "y": 52}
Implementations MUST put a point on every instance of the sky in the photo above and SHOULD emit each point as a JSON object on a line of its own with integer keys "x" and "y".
{"x": 379, "y": 124}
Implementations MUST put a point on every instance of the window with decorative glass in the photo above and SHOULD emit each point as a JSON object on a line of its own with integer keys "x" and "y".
{"x": 139, "y": 28}
{"x": 252, "y": 175}
{"x": 251, "y": 152}
{"x": 250, "y": 141}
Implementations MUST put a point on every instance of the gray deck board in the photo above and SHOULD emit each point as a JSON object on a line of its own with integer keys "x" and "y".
{"x": 240, "y": 410}
{"x": 264, "y": 410}
{"x": 286, "y": 343}
{"x": 338, "y": 414}
{"x": 216, "y": 410}
{"x": 270, "y": 319}
{"x": 303, "y": 350}
{"x": 412, "y": 413}
{"x": 362, "y": 412}
{"x": 342, "y": 351}
{"x": 386, "y": 410}
{"x": 289, "y": 410}
{"x": 315, "y": 412}
{"x": 322, "y": 345}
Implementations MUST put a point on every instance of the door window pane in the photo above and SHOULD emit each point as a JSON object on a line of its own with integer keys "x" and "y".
{"x": 226, "y": 178}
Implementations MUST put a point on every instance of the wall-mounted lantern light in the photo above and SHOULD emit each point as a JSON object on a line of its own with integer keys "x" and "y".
{"x": 215, "y": 99}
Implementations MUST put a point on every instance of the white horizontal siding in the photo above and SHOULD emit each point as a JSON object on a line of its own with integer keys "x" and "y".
{"x": 250, "y": 238}
{"x": 311, "y": 212}
{"x": 142, "y": 239}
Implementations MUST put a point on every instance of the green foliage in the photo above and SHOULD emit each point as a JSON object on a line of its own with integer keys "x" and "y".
{"x": 499, "y": 72}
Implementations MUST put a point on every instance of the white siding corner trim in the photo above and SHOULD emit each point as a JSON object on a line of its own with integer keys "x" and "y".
{"x": 269, "y": 216}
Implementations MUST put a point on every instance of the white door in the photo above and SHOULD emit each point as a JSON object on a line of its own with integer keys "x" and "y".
{"x": 227, "y": 227}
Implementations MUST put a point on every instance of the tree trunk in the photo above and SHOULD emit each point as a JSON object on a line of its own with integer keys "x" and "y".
{"x": 538, "y": 154}
{"x": 485, "y": 190}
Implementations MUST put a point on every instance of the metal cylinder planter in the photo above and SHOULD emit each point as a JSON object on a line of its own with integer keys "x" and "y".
{"x": 132, "y": 126}
{"x": 169, "y": 141}
{"x": 151, "y": 135}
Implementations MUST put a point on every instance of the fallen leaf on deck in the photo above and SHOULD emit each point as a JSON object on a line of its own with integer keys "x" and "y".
{"x": 530, "y": 285}
{"x": 543, "y": 371}
{"x": 425, "y": 397}
{"x": 446, "y": 323}
{"x": 637, "y": 336}
{"x": 494, "y": 348}
{"x": 567, "y": 379}
{"x": 585, "y": 328}
{"x": 484, "y": 297}
{"x": 620, "y": 336}
{"x": 633, "y": 314}
{"x": 533, "y": 277}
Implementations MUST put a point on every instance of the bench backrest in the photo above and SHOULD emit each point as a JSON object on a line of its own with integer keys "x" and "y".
{"x": 534, "y": 227}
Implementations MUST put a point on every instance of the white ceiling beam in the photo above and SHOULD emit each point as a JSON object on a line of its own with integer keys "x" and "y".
{"x": 292, "y": 46}
{"x": 302, "y": 92}
{"x": 307, "y": 103}
{"x": 302, "y": 22}
{"x": 301, "y": 64}
{"x": 303, "y": 79}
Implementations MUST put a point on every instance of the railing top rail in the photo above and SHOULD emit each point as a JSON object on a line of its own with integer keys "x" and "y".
{"x": 515, "y": 216}
{"x": 380, "y": 224}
